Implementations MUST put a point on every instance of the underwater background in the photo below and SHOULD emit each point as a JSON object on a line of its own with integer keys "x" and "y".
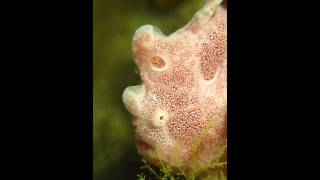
{"x": 114, "y": 23}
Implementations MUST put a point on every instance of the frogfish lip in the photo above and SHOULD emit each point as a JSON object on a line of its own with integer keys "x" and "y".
{"x": 144, "y": 145}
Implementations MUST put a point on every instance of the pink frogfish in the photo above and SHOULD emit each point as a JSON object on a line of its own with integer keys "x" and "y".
{"x": 180, "y": 108}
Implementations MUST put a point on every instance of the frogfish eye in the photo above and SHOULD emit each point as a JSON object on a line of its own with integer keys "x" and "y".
{"x": 160, "y": 118}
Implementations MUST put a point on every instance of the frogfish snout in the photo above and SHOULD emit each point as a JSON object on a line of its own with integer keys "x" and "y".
{"x": 132, "y": 98}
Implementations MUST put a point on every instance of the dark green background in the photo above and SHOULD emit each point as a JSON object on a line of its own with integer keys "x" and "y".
{"x": 114, "y": 23}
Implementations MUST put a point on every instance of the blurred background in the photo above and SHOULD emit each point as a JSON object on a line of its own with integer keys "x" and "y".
{"x": 114, "y": 23}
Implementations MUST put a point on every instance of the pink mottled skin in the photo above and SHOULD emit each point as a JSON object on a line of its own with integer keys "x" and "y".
{"x": 183, "y": 95}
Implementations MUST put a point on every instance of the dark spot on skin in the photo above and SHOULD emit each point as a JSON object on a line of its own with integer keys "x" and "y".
{"x": 161, "y": 117}
{"x": 158, "y": 62}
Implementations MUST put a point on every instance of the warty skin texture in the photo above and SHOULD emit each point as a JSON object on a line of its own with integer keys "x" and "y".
{"x": 179, "y": 111}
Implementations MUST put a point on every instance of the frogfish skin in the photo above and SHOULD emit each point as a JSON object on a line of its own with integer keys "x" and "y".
{"x": 180, "y": 108}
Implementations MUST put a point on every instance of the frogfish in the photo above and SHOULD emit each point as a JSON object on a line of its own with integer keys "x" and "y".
{"x": 179, "y": 111}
